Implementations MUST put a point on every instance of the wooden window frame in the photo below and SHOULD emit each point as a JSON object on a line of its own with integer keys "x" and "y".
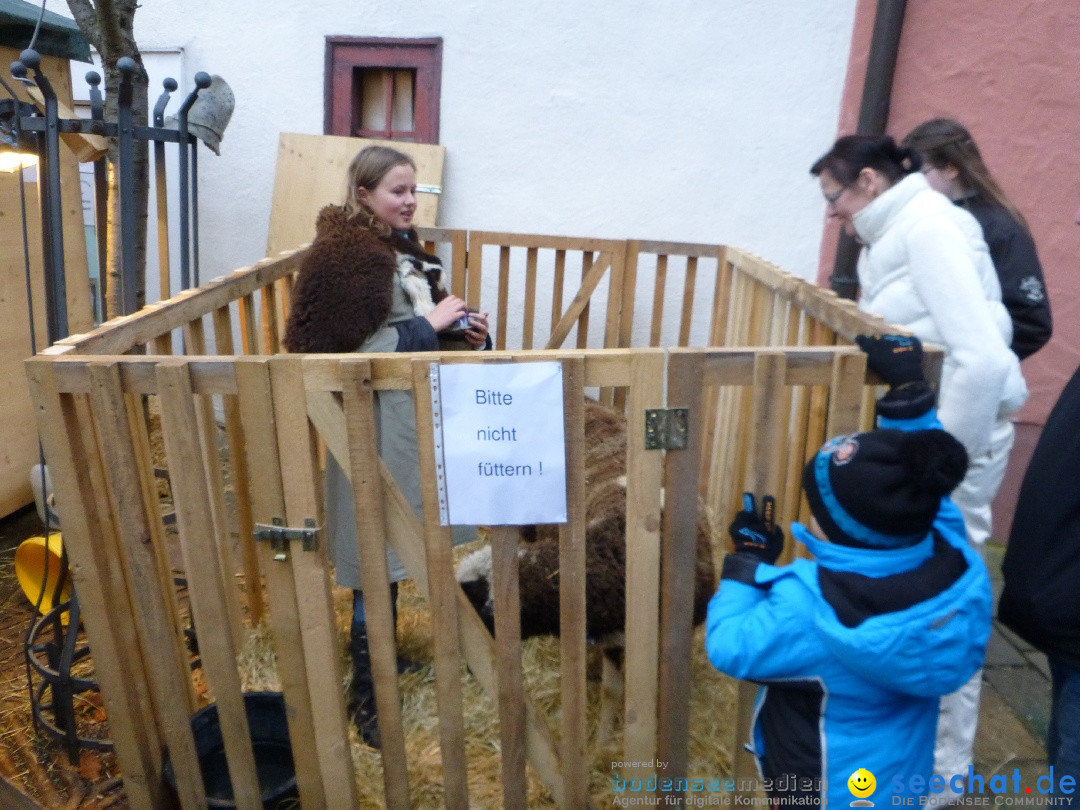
{"x": 345, "y": 54}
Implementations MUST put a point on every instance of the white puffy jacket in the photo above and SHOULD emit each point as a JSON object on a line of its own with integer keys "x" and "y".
{"x": 925, "y": 267}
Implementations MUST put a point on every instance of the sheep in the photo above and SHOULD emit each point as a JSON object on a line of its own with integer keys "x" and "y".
{"x": 605, "y": 550}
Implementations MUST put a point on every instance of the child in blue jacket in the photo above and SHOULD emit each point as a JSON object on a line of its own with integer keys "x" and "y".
{"x": 853, "y": 648}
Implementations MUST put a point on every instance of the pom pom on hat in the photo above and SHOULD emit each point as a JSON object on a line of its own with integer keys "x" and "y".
{"x": 883, "y": 488}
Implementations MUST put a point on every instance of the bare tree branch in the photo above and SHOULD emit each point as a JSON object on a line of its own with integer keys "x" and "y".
{"x": 109, "y": 26}
{"x": 86, "y": 18}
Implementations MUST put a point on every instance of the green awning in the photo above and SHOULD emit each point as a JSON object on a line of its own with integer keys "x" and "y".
{"x": 58, "y": 36}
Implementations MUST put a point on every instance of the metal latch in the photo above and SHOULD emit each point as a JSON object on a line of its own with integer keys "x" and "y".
{"x": 667, "y": 428}
{"x": 279, "y": 535}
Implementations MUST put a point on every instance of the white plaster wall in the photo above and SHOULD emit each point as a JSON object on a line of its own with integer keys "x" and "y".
{"x": 680, "y": 120}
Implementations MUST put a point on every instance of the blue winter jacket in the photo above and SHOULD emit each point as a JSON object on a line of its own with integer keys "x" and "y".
{"x": 852, "y": 651}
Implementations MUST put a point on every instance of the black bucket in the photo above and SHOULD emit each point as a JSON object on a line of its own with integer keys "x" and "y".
{"x": 269, "y": 742}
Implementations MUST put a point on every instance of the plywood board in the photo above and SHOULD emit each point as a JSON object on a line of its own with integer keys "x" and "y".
{"x": 18, "y": 435}
{"x": 311, "y": 173}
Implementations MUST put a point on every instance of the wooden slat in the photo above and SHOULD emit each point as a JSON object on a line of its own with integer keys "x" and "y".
{"x": 271, "y": 330}
{"x": 572, "y": 610}
{"x": 718, "y": 329}
{"x": 152, "y": 506}
{"x": 763, "y": 478}
{"x": 245, "y": 524}
{"x": 170, "y": 678}
{"x": 788, "y": 500}
{"x": 302, "y": 487}
{"x": 616, "y": 297}
{"x": 93, "y": 575}
{"x": 474, "y": 272}
{"x": 557, "y": 286}
{"x": 679, "y": 550}
{"x": 688, "y": 301}
{"x": 162, "y": 344}
{"x": 659, "y": 294}
{"x": 714, "y": 405}
{"x": 530, "y": 299}
{"x": 626, "y": 312}
{"x": 195, "y": 340}
{"x": 583, "y": 318}
{"x": 502, "y": 314}
{"x": 644, "y": 480}
{"x": 442, "y": 588}
{"x": 268, "y": 501}
{"x": 629, "y": 294}
{"x": 507, "y": 608}
{"x": 209, "y": 606}
{"x": 249, "y": 337}
{"x": 359, "y": 405}
{"x": 845, "y": 396}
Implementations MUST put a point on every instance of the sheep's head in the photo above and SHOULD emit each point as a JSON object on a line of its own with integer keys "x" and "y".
{"x": 474, "y": 575}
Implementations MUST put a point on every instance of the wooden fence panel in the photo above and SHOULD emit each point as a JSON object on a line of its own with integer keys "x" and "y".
{"x": 795, "y": 381}
{"x": 102, "y": 591}
{"x": 601, "y": 260}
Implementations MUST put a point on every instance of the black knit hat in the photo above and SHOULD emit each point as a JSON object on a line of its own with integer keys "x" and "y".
{"x": 882, "y": 489}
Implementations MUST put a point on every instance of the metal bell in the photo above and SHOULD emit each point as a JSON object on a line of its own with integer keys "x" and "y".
{"x": 209, "y": 114}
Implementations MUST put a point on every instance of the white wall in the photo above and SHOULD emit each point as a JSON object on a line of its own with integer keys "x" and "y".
{"x": 681, "y": 120}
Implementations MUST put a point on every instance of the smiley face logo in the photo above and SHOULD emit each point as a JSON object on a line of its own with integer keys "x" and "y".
{"x": 861, "y": 783}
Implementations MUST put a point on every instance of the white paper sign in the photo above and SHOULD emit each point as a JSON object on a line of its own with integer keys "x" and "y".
{"x": 502, "y": 443}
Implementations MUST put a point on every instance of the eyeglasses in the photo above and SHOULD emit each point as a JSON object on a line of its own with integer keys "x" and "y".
{"x": 832, "y": 198}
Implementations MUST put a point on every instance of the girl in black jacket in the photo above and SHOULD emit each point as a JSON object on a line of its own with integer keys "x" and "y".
{"x": 953, "y": 166}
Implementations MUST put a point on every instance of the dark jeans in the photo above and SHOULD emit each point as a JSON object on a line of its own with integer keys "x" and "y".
{"x": 359, "y": 620}
{"x": 1063, "y": 732}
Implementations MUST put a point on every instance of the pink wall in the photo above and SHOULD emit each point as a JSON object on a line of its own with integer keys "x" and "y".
{"x": 1008, "y": 70}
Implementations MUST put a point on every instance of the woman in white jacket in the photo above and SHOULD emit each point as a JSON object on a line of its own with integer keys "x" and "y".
{"x": 925, "y": 267}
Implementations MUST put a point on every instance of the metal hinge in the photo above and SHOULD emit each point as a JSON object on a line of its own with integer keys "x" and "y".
{"x": 667, "y": 428}
{"x": 279, "y": 535}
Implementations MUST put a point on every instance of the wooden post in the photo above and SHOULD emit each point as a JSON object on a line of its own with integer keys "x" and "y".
{"x": 572, "y": 609}
{"x": 507, "y": 606}
{"x": 644, "y": 481}
{"x": 256, "y": 405}
{"x": 180, "y": 427}
{"x": 302, "y": 490}
{"x": 763, "y": 478}
{"x": 359, "y": 403}
{"x": 679, "y": 551}
{"x": 442, "y": 589}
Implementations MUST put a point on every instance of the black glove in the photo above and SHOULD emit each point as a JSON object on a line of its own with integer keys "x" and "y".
{"x": 897, "y": 359}
{"x": 757, "y": 534}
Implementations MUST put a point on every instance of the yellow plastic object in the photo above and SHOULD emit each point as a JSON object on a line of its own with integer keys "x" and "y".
{"x": 30, "y": 560}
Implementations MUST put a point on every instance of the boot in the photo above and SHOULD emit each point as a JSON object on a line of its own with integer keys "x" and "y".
{"x": 405, "y": 666}
{"x": 361, "y": 704}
